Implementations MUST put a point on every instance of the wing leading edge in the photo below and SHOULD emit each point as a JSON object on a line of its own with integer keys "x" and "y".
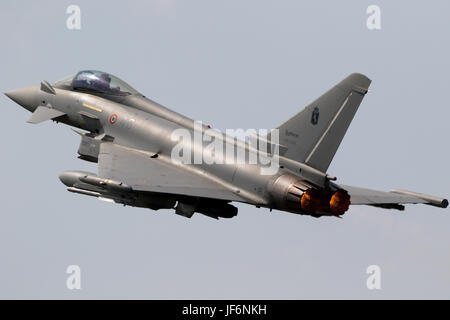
{"x": 391, "y": 200}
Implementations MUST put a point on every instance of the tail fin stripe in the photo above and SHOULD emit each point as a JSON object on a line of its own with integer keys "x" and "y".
{"x": 328, "y": 128}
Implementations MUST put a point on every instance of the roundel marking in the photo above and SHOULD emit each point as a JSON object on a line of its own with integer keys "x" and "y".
{"x": 113, "y": 118}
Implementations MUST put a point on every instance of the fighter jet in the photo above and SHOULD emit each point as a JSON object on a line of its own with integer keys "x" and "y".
{"x": 134, "y": 139}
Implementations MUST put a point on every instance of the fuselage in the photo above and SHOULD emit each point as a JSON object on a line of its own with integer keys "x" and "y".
{"x": 257, "y": 175}
{"x": 152, "y": 131}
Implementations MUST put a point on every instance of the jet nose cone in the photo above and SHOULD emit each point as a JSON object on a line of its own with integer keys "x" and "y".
{"x": 26, "y": 97}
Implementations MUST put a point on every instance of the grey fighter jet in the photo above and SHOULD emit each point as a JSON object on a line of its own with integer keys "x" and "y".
{"x": 132, "y": 140}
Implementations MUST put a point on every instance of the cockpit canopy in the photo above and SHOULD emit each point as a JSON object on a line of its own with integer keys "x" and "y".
{"x": 96, "y": 82}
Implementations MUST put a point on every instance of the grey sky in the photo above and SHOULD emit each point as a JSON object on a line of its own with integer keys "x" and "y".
{"x": 232, "y": 64}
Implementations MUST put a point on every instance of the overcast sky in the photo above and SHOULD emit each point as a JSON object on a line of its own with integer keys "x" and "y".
{"x": 232, "y": 64}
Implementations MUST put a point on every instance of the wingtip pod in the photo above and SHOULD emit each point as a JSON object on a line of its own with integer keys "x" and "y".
{"x": 431, "y": 200}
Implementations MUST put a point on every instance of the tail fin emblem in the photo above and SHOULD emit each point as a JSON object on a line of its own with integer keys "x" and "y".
{"x": 315, "y": 116}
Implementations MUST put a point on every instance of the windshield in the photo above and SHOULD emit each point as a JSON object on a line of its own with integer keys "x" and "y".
{"x": 65, "y": 83}
{"x": 98, "y": 81}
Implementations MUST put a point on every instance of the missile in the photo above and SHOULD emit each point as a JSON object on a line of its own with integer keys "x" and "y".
{"x": 106, "y": 183}
{"x": 85, "y": 192}
{"x": 73, "y": 178}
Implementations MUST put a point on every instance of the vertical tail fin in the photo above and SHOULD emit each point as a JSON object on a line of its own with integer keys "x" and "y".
{"x": 314, "y": 134}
